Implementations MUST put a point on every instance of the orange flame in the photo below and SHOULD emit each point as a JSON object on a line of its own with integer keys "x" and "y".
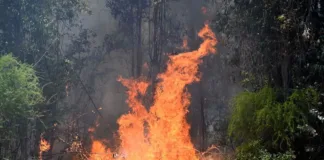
{"x": 162, "y": 133}
{"x": 99, "y": 151}
{"x": 44, "y": 146}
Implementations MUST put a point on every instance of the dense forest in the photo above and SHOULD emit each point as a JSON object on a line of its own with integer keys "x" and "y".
{"x": 134, "y": 79}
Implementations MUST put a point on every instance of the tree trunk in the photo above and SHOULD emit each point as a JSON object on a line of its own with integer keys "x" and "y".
{"x": 31, "y": 139}
{"x": 202, "y": 127}
{"x": 285, "y": 74}
{"x": 139, "y": 54}
{"x": 133, "y": 49}
{"x": 158, "y": 12}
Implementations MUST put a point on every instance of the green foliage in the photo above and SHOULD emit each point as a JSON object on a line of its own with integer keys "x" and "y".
{"x": 278, "y": 43}
{"x": 30, "y": 28}
{"x": 255, "y": 151}
{"x": 32, "y": 31}
{"x": 270, "y": 117}
{"x": 19, "y": 92}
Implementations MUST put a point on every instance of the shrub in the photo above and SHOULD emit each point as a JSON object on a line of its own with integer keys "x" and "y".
{"x": 19, "y": 93}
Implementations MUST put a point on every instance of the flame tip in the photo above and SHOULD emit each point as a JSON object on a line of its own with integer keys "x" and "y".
{"x": 161, "y": 132}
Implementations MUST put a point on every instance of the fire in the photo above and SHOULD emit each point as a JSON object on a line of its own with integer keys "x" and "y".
{"x": 162, "y": 132}
{"x": 99, "y": 151}
{"x": 44, "y": 146}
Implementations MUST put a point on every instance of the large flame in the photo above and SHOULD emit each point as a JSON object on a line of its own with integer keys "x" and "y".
{"x": 162, "y": 133}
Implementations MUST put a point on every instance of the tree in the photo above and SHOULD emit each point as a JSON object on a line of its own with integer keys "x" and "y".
{"x": 273, "y": 35}
{"x": 271, "y": 120}
{"x": 33, "y": 31}
{"x": 130, "y": 14}
{"x": 279, "y": 44}
{"x": 20, "y": 94}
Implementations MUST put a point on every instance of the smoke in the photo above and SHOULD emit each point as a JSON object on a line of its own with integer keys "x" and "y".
{"x": 99, "y": 78}
{"x": 210, "y": 102}
{"x": 212, "y": 94}
{"x": 108, "y": 94}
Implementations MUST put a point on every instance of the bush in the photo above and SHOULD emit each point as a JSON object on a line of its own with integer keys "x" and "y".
{"x": 269, "y": 120}
{"x": 19, "y": 92}
{"x": 255, "y": 151}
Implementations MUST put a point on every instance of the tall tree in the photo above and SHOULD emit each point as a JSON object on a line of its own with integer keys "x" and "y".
{"x": 130, "y": 15}
{"x": 275, "y": 41}
{"x": 20, "y": 94}
{"x": 33, "y": 30}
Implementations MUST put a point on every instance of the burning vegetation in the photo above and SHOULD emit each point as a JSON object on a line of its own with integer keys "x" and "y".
{"x": 44, "y": 146}
{"x": 162, "y": 132}
{"x": 263, "y": 99}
